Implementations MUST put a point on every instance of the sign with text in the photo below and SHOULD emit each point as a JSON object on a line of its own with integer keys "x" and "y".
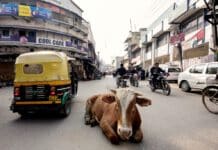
{"x": 51, "y": 7}
{"x": 24, "y": 11}
{"x": 8, "y": 9}
{"x": 40, "y": 12}
{"x": 47, "y": 41}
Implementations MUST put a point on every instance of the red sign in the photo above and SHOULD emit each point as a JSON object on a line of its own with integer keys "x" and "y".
{"x": 200, "y": 35}
{"x": 177, "y": 38}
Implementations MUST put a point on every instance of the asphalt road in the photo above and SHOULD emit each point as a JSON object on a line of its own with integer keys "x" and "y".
{"x": 175, "y": 122}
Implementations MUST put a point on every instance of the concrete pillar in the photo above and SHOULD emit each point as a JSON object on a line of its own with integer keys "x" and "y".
{"x": 143, "y": 57}
{"x": 153, "y": 51}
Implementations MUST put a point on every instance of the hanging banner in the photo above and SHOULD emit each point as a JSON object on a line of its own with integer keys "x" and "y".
{"x": 24, "y": 11}
{"x": 51, "y": 7}
{"x": 40, "y": 12}
{"x": 8, "y": 9}
{"x": 177, "y": 38}
{"x": 195, "y": 40}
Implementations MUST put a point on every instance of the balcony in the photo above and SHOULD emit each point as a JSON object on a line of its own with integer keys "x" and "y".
{"x": 15, "y": 40}
{"x": 48, "y": 26}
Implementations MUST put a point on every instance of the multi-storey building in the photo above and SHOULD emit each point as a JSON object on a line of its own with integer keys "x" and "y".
{"x": 179, "y": 36}
{"x": 194, "y": 33}
{"x": 33, "y": 25}
{"x": 133, "y": 48}
{"x": 156, "y": 44}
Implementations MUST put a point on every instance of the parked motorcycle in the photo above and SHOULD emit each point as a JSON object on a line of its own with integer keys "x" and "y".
{"x": 160, "y": 83}
{"x": 134, "y": 80}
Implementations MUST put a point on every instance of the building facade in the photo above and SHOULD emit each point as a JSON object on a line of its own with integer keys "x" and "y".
{"x": 179, "y": 36}
{"x": 133, "y": 49}
{"x": 34, "y": 25}
{"x": 195, "y": 33}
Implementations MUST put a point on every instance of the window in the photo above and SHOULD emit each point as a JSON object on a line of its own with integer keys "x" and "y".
{"x": 33, "y": 69}
{"x": 76, "y": 42}
{"x": 212, "y": 69}
{"x": 162, "y": 40}
{"x": 200, "y": 22}
{"x": 198, "y": 69}
{"x": 149, "y": 48}
{"x": 191, "y": 70}
{"x": 190, "y": 26}
{"x": 174, "y": 70}
{"x": 5, "y": 33}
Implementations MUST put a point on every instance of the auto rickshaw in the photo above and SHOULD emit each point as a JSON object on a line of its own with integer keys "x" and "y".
{"x": 44, "y": 81}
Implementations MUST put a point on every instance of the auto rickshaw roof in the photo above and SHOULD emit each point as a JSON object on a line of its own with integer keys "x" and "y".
{"x": 41, "y": 56}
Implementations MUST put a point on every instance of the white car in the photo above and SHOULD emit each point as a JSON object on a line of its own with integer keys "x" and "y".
{"x": 173, "y": 73}
{"x": 198, "y": 76}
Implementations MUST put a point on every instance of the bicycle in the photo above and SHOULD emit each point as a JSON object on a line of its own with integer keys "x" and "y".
{"x": 210, "y": 96}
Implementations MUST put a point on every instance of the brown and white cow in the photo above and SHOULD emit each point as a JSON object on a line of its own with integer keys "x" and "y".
{"x": 117, "y": 114}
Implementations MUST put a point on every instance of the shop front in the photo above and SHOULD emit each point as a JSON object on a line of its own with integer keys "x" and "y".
{"x": 162, "y": 59}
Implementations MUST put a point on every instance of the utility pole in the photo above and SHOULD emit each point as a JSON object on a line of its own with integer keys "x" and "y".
{"x": 211, "y": 17}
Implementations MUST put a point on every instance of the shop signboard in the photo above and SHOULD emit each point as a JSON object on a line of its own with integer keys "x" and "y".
{"x": 47, "y": 41}
{"x": 8, "y": 9}
{"x": 195, "y": 40}
{"x": 24, "y": 11}
{"x": 51, "y": 7}
{"x": 40, "y": 12}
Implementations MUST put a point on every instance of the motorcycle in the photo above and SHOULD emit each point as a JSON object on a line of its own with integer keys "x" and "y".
{"x": 121, "y": 82}
{"x": 160, "y": 83}
{"x": 134, "y": 81}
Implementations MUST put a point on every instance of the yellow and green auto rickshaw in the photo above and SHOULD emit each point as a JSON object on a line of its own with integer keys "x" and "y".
{"x": 44, "y": 81}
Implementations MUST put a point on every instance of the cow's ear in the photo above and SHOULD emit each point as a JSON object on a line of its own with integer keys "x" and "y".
{"x": 142, "y": 101}
{"x": 109, "y": 98}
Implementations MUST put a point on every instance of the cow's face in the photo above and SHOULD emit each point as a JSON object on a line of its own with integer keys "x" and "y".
{"x": 126, "y": 110}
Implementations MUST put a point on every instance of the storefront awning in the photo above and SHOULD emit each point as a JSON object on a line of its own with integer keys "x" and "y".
{"x": 147, "y": 43}
{"x": 160, "y": 33}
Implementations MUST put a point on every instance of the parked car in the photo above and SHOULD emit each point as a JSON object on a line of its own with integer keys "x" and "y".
{"x": 173, "y": 72}
{"x": 196, "y": 76}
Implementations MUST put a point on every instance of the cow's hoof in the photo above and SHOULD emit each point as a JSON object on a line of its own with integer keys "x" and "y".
{"x": 133, "y": 140}
{"x": 87, "y": 119}
{"x": 136, "y": 139}
{"x": 115, "y": 140}
{"x": 93, "y": 122}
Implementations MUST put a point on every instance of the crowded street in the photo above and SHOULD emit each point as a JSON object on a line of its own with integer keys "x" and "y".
{"x": 175, "y": 122}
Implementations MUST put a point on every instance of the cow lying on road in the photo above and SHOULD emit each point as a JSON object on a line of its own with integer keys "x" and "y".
{"x": 117, "y": 114}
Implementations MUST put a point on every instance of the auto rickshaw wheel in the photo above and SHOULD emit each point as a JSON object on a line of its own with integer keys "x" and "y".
{"x": 66, "y": 109}
{"x": 23, "y": 113}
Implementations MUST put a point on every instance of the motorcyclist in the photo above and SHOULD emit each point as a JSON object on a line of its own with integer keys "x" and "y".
{"x": 132, "y": 72}
{"x": 120, "y": 72}
{"x": 155, "y": 73}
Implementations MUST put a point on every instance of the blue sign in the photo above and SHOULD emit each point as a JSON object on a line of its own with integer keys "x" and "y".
{"x": 8, "y": 9}
{"x": 40, "y": 12}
